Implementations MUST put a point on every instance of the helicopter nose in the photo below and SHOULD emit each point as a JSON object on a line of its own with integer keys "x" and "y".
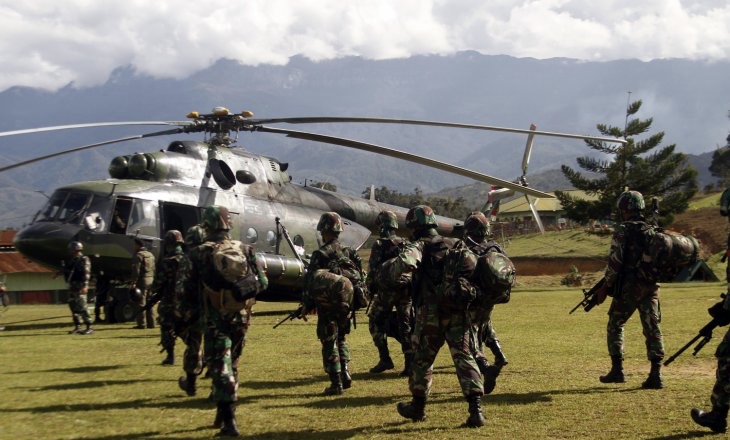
{"x": 45, "y": 243}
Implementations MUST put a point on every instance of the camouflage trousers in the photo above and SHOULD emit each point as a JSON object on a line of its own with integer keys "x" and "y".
{"x": 482, "y": 331}
{"x": 199, "y": 344}
{"x": 380, "y": 313}
{"x": 77, "y": 304}
{"x": 721, "y": 391}
{"x": 148, "y": 315}
{"x": 193, "y": 356}
{"x": 331, "y": 331}
{"x": 645, "y": 299}
{"x": 219, "y": 345}
{"x": 430, "y": 331}
{"x": 166, "y": 316}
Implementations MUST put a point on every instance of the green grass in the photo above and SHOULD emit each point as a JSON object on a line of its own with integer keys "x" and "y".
{"x": 111, "y": 385}
{"x": 568, "y": 243}
{"x": 705, "y": 201}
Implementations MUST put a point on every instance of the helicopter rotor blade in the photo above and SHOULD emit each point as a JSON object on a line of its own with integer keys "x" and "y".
{"x": 535, "y": 214}
{"x": 528, "y": 149}
{"x": 92, "y": 125}
{"x": 88, "y": 147}
{"x": 404, "y": 156}
{"x": 335, "y": 119}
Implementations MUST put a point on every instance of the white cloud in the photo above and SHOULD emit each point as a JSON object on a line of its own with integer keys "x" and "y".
{"x": 48, "y": 44}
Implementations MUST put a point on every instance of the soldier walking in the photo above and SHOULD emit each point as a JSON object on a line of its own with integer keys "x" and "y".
{"x": 388, "y": 246}
{"x": 631, "y": 292}
{"x": 329, "y": 289}
{"x": 436, "y": 324}
{"x": 716, "y": 419}
{"x": 193, "y": 317}
{"x": 77, "y": 273}
{"x": 143, "y": 275}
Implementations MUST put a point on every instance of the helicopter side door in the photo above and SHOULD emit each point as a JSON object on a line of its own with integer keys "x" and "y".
{"x": 178, "y": 216}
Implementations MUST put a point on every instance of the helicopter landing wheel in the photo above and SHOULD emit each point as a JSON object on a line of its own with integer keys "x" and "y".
{"x": 125, "y": 312}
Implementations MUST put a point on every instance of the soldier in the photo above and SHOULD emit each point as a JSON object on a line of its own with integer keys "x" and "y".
{"x": 389, "y": 245}
{"x": 435, "y": 325}
{"x": 716, "y": 419}
{"x": 631, "y": 292}
{"x": 222, "y": 300}
{"x": 168, "y": 290}
{"x": 476, "y": 233}
{"x": 77, "y": 273}
{"x": 329, "y": 288}
{"x": 3, "y": 299}
{"x": 193, "y": 319}
{"x": 143, "y": 275}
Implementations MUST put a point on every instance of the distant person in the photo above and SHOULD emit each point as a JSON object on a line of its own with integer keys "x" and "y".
{"x": 328, "y": 288}
{"x": 476, "y": 238}
{"x": 193, "y": 317}
{"x": 167, "y": 288}
{"x": 388, "y": 246}
{"x": 716, "y": 419}
{"x": 77, "y": 273}
{"x": 215, "y": 264}
{"x": 143, "y": 275}
{"x": 631, "y": 292}
{"x": 4, "y": 299}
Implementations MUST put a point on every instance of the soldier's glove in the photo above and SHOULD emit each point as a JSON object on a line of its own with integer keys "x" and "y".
{"x": 720, "y": 314}
{"x": 601, "y": 293}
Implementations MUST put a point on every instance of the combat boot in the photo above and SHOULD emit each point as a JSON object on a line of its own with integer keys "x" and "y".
{"x": 230, "y": 427}
{"x": 407, "y": 365}
{"x": 187, "y": 384}
{"x": 335, "y": 389}
{"x": 716, "y": 419}
{"x": 218, "y": 421}
{"x": 385, "y": 362}
{"x": 654, "y": 381}
{"x": 170, "y": 359}
{"x": 476, "y": 418}
{"x": 415, "y": 410}
{"x": 88, "y": 330}
{"x": 77, "y": 327}
{"x": 345, "y": 374}
{"x": 500, "y": 359}
{"x": 616, "y": 375}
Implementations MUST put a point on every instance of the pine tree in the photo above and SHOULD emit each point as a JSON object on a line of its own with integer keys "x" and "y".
{"x": 720, "y": 166}
{"x": 662, "y": 174}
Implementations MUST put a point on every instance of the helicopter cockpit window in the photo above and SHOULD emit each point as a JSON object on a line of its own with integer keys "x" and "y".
{"x": 252, "y": 235}
{"x": 143, "y": 219}
{"x": 72, "y": 210}
{"x": 97, "y": 214}
{"x": 120, "y": 216}
{"x": 49, "y": 212}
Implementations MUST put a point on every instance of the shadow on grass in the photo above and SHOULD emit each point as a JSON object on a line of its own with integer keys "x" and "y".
{"x": 179, "y": 402}
{"x": 84, "y": 370}
{"x": 84, "y": 385}
{"x": 283, "y": 384}
{"x": 690, "y": 434}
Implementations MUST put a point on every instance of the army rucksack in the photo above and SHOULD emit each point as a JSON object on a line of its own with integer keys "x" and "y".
{"x": 665, "y": 254}
{"x": 239, "y": 279}
{"x": 345, "y": 265}
{"x": 332, "y": 293}
{"x": 495, "y": 275}
{"x": 397, "y": 272}
{"x": 456, "y": 291}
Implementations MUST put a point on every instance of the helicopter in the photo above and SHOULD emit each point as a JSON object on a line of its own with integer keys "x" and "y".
{"x": 148, "y": 194}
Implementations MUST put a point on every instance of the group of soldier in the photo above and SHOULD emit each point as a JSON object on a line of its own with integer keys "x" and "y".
{"x": 197, "y": 304}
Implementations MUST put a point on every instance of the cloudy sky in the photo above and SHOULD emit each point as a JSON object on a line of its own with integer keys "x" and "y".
{"x": 48, "y": 44}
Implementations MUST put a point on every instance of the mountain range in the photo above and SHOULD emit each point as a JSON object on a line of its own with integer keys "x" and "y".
{"x": 688, "y": 100}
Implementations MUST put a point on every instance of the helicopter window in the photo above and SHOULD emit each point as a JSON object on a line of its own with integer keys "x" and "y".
{"x": 97, "y": 213}
{"x": 120, "y": 216}
{"x": 54, "y": 204}
{"x": 271, "y": 238}
{"x": 73, "y": 208}
{"x": 252, "y": 235}
{"x": 143, "y": 219}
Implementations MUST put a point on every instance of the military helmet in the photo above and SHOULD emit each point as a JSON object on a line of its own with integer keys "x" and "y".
{"x": 173, "y": 237}
{"x": 330, "y": 221}
{"x": 216, "y": 218}
{"x": 631, "y": 201}
{"x": 476, "y": 224}
{"x": 420, "y": 216}
{"x": 75, "y": 246}
{"x": 386, "y": 219}
{"x": 194, "y": 236}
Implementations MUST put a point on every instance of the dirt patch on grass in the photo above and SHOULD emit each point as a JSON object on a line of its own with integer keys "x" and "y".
{"x": 707, "y": 226}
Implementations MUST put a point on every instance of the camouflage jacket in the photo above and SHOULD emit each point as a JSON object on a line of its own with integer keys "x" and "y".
{"x": 169, "y": 283}
{"x": 483, "y": 247}
{"x": 383, "y": 249}
{"x": 337, "y": 259}
{"x": 77, "y": 272}
{"x": 143, "y": 268}
{"x": 627, "y": 245}
{"x": 430, "y": 270}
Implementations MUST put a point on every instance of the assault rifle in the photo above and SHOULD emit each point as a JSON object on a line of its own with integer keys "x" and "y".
{"x": 589, "y": 297}
{"x": 704, "y": 336}
{"x": 298, "y": 313}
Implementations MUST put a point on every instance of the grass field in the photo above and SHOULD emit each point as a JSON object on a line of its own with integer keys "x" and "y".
{"x": 111, "y": 385}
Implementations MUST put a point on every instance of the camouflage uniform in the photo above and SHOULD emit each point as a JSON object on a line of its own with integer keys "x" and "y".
{"x": 143, "y": 275}
{"x": 77, "y": 273}
{"x": 168, "y": 290}
{"x": 436, "y": 324}
{"x": 192, "y": 314}
{"x": 388, "y": 246}
{"x": 328, "y": 289}
{"x": 716, "y": 419}
{"x": 632, "y": 292}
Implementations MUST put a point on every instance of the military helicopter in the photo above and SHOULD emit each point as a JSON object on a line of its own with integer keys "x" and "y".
{"x": 150, "y": 193}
